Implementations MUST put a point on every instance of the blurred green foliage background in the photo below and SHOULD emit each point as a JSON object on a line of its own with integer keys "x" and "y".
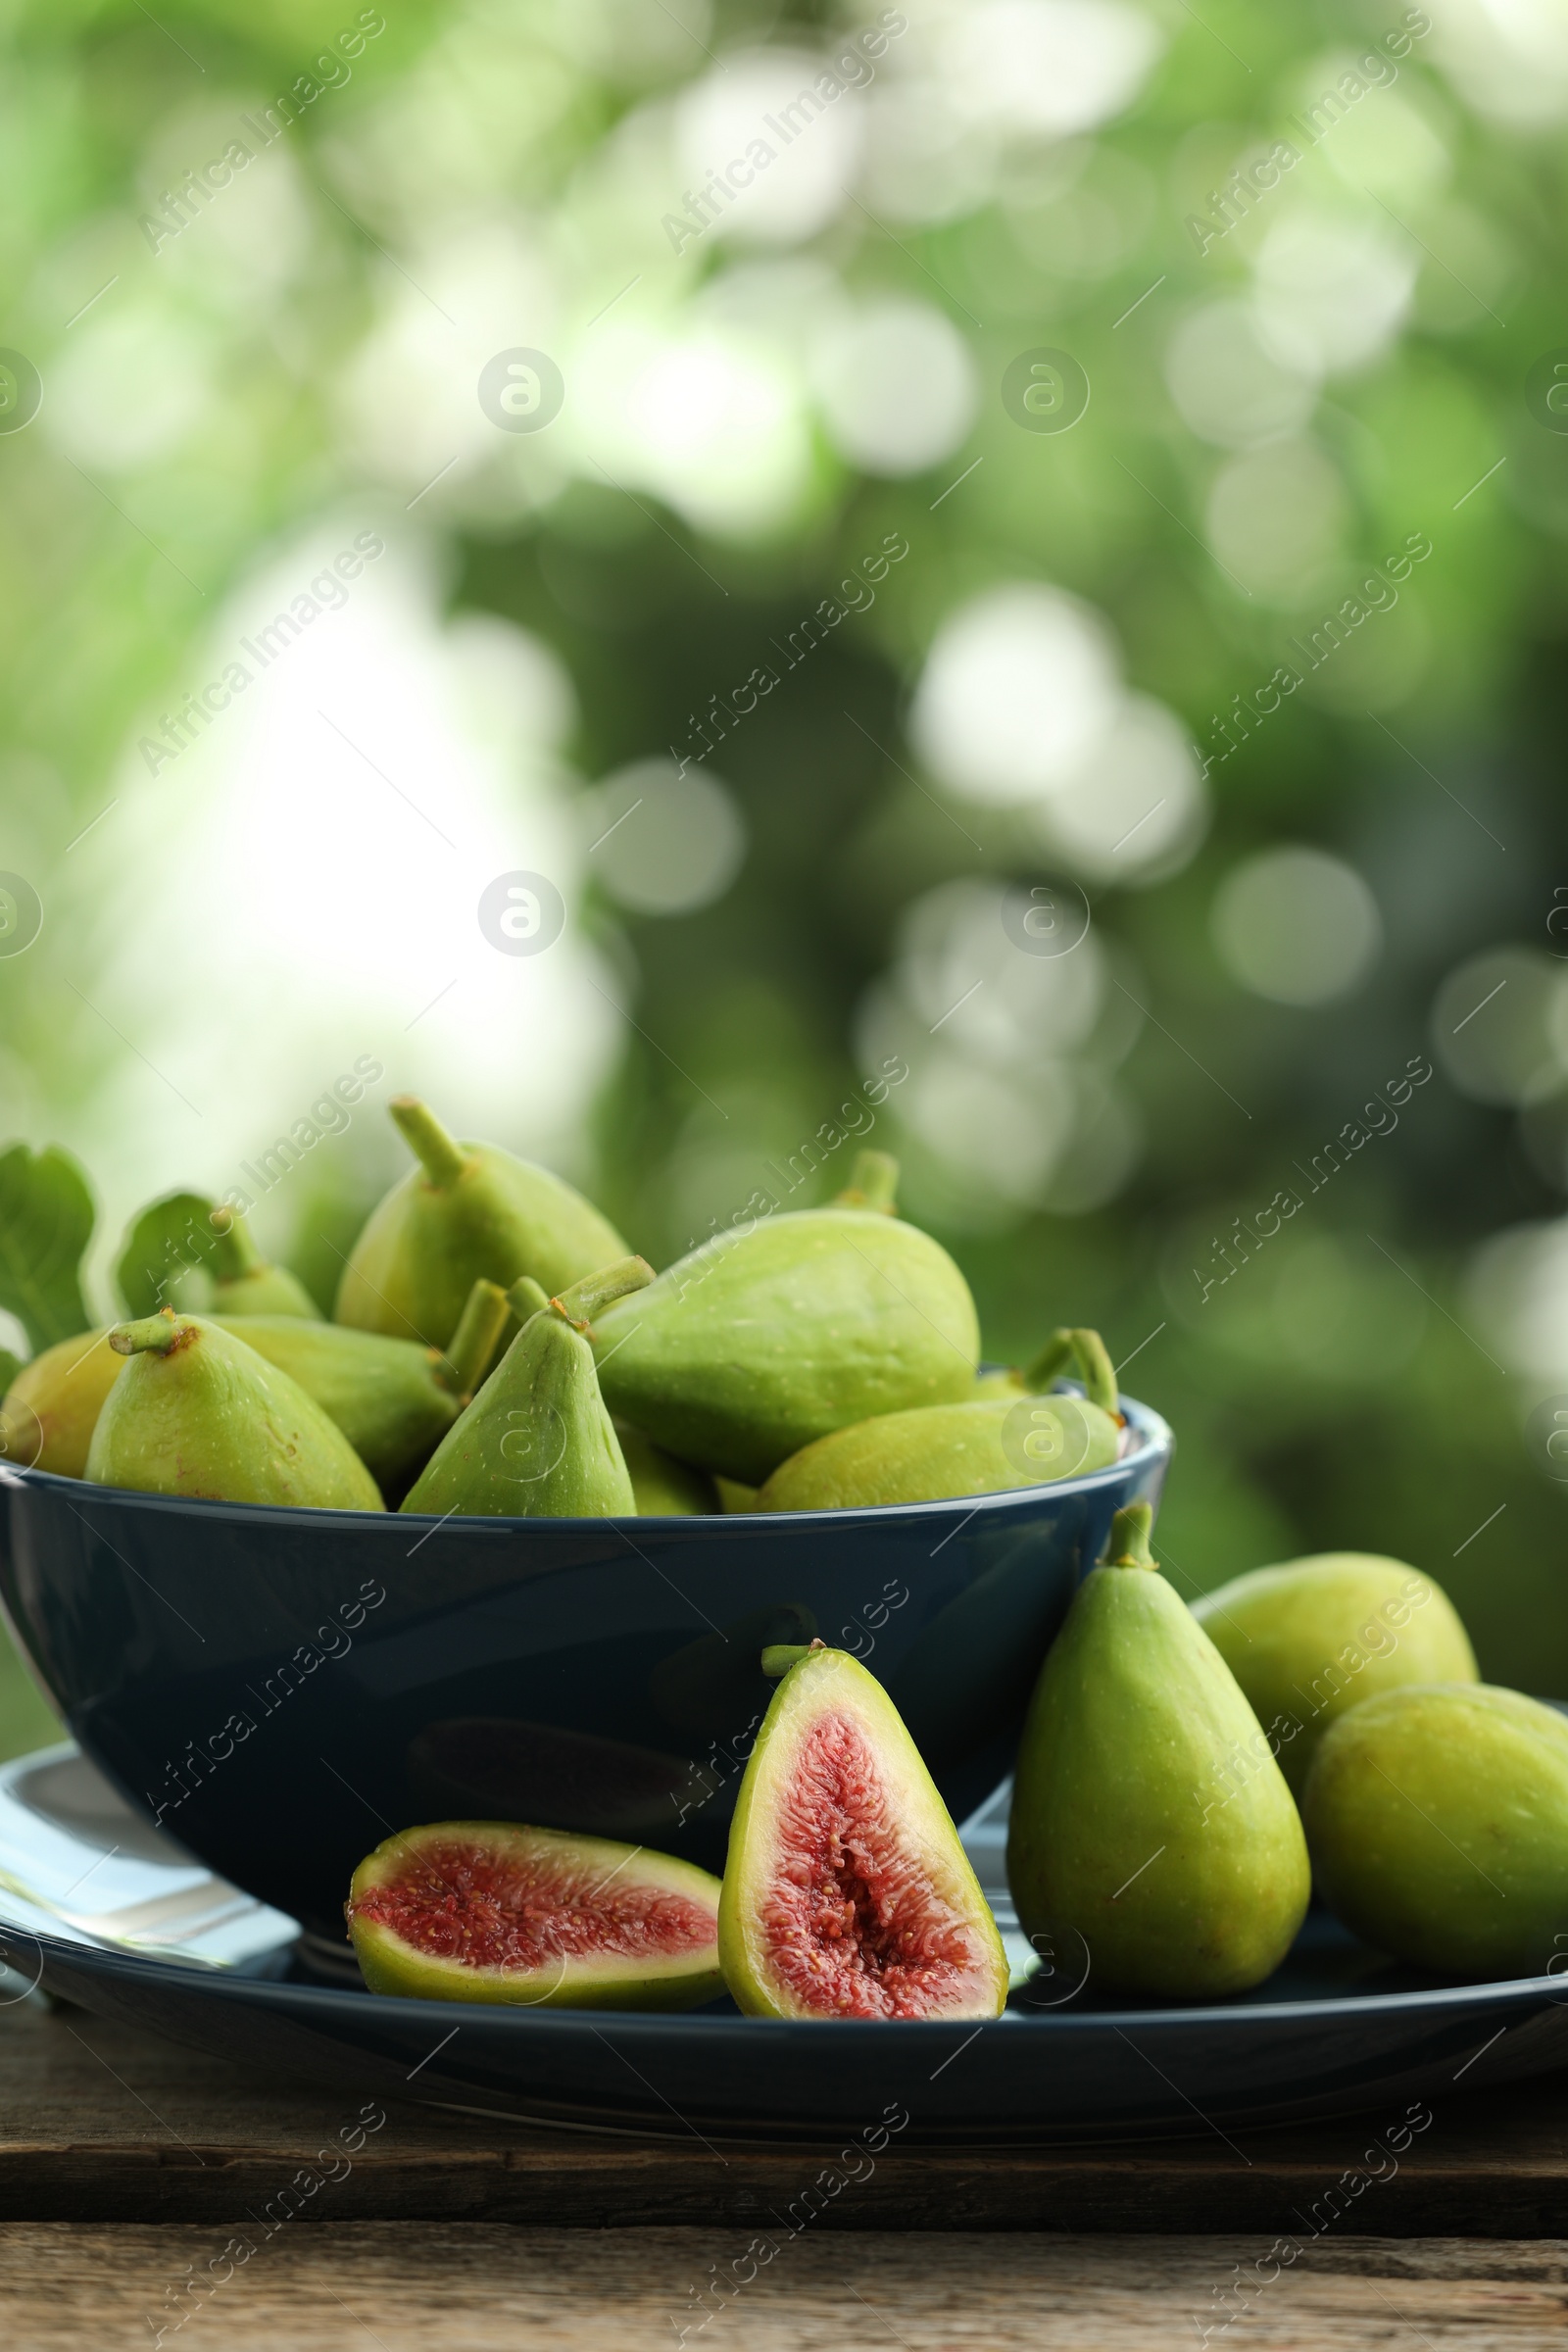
{"x": 1269, "y": 900}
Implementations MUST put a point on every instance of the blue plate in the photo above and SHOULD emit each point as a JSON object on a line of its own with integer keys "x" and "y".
{"x": 137, "y": 1931}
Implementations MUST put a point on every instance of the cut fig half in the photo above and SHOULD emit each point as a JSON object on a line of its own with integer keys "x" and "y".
{"x": 488, "y": 1911}
{"x": 847, "y": 1893}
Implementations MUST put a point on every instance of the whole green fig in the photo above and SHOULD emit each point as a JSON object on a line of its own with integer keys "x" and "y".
{"x": 52, "y": 1406}
{"x": 198, "y": 1414}
{"x": 1149, "y": 1816}
{"x": 468, "y": 1210}
{"x": 770, "y": 1336}
{"x": 1437, "y": 1822}
{"x": 939, "y": 1450}
{"x": 536, "y": 1442}
{"x": 1311, "y": 1639}
{"x": 981, "y": 1447}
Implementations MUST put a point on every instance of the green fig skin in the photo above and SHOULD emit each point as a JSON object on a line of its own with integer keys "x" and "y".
{"x": 468, "y": 1210}
{"x": 663, "y": 1488}
{"x": 52, "y": 1406}
{"x": 1437, "y": 1822}
{"x": 538, "y": 1442}
{"x": 1148, "y": 1813}
{"x": 269, "y": 1291}
{"x": 760, "y": 1341}
{"x": 242, "y": 1281}
{"x": 198, "y": 1414}
{"x": 847, "y": 1893}
{"x": 940, "y": 1450}
{"x": 658, "y": 1910}
{"x": 393, "y": 1399}
{"x": 1313, "y": 1638}
{"x": 734, "y": 1495}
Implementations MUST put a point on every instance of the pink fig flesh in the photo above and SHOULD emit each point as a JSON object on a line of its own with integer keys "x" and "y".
{"x": 847, "y": 1893}
{"x": 486, "y": 1911}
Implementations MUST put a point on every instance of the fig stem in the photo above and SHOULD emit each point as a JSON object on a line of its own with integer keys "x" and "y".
{"x": 779, "y": 1656}
{"x": 1096, "y": 1369}
{"x": 582, "y": 1299}
{"x": 442, "y": 1159}
{"x": 1043, "y": 1369}
{"x": 873, "y": 1184}
{"x": 527, "y": 1299}
{"x": 473, "y": 1342}
{"x": 1092, "y": 1356}
{"x": 236, "y": 1254}
{"x": 1127, "y": 1545}
{"x": 153, "y": 1335}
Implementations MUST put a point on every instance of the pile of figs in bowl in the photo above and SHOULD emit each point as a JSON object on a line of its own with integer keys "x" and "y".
{"x": 541, "y": 1630}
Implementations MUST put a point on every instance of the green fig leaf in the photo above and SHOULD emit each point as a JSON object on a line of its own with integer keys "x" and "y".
{"x": 10, "y": 1366}
{"x": 46, "y": 1221}
{"x": 168, "y": 1240}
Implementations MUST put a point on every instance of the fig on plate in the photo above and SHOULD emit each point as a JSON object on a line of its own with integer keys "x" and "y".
{"x": 847, "y": 1893}
{"x": 196, "y": 1412}
{"x": 52, "y": 1406}
{"x": 1148, "y": 1815}
{"x": 485, "y": 1911}
{"x": 1311, "y": 1639}
{"x": 662, "y": 1487}
{"x": 393, "y": 1399}
{"x": 770, "y": 1336}
{"x": 466, "y": 1210}
{"x": 537, "y": 1442}
{"x": 734, "y": 1495}
{"x": 243, "y": 1282}
{"x": 1437, "y": 1822}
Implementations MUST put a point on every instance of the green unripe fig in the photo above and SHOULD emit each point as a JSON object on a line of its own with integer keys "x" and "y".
{"x": 847, "y": 1893}
{"x": 243, "y": 1283}
{"x": 393, "y": 1399}
{"x": 52, "y": 1406}
{"x": 663, "y": 1488}
{"x": 197, "y": 1413}
{"x": 984, "y": 1446}
{"x": 765, "y": 1339}
{"x": 1149, "y": 1816}
{"x": 1437, "y": 1822}
{"x": 466, "y": 1210}
{"x": 942, "y": 1450}
{"x": 734, "y": 1495}
{"x": 1311, "y": 1639}
{"x": 538, "y": 1442}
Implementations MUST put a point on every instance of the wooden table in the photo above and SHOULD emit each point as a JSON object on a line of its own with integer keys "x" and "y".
{"x": 129, "y": 2166}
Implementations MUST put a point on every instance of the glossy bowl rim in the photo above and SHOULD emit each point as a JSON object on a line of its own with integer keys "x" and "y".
{"x": 1156, "y": 1437}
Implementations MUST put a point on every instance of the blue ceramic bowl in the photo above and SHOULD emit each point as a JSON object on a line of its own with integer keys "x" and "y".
{"x": 283, "y": 1689}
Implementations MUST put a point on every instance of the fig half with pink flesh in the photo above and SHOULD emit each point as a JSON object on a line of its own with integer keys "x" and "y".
{"x": 847, "y": 1893}
{"x": 486, "y": 1911}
